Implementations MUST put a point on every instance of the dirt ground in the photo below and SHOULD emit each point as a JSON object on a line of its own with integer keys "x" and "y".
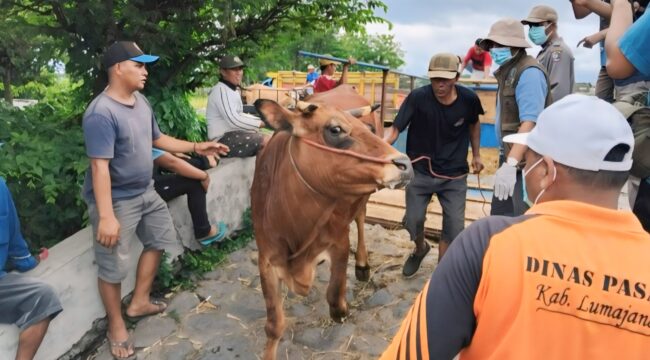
{"x": 224, "y": 317}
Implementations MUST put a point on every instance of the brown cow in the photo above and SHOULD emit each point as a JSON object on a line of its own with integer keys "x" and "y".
{"x": 346, "y": 97}
{"x": 310, "y": 181}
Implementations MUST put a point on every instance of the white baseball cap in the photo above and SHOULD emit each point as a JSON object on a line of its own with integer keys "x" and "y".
{"x": 579, "y": 131}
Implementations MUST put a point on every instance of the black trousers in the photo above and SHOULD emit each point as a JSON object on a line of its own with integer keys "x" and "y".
{"x": 514, "y": 205}
{"x": 642, "y": 204}
{"x": 170, "y": 186}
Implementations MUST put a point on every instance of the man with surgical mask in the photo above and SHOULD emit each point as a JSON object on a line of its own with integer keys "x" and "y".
{"x": 524, "y": 91}
{"x": 568, "y": 279}
{"x": 555, "y": 56}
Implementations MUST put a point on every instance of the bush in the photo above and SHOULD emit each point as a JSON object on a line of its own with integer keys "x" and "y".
{"x": 43, "y": 161}
{"x": 176, "y": 117}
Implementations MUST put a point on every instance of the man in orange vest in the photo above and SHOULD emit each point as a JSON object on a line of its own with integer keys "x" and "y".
{"x": 566, "y": 280}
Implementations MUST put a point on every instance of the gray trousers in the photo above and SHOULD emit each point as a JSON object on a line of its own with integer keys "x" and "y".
{"x": 450, "y": 193}
{"x": 26, "y": 301}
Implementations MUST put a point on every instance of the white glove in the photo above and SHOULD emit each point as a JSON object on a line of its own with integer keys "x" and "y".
{"x": 505, "y": 179}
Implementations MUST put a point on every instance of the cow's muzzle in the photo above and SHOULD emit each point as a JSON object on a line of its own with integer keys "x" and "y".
{"x": 404, "y": 173}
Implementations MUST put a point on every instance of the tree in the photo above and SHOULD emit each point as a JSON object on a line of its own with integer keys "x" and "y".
{"x": 188, "y": 35}
{"x": 23, "y": 52}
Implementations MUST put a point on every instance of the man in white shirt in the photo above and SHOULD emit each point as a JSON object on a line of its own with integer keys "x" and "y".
{"x": 227, "y": 122}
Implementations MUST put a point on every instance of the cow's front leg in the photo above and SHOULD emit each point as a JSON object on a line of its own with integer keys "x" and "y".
{"x": 274, "y": 314}
{"x": 361, "y": 268}
{"x": 336, "y": 289}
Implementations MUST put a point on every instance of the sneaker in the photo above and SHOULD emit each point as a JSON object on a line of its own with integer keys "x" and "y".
{"x": 413, "y": 262}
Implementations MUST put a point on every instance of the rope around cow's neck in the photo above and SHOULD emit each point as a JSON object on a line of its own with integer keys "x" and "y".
{"x": 333, "y": 150}
{"x": 374, "y": 159}
{"x": 295, "y": 167}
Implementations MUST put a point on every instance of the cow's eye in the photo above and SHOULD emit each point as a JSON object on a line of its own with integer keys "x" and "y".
{"x": 336, "y": 130}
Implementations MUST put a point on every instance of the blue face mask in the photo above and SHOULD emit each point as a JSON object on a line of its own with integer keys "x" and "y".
{"x": 500, "y": 55}
{"x": 537, "y": 34}
{"x": 523, "y": 183}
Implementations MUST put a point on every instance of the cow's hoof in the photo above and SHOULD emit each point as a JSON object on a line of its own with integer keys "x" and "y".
{"x": 338, "y": 315}
{"x": 362, "y": 272}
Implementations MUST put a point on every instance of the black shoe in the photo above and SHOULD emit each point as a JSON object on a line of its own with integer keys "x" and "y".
{"x": 413, "y": 262}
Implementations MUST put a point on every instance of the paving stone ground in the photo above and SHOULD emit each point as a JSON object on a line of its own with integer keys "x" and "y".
{"x": 230, "y": 325}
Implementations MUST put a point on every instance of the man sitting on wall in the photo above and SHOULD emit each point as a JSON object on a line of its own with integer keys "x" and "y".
{"x": 24, "y": 301}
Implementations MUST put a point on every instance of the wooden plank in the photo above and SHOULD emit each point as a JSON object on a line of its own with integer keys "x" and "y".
{"x": 474, "y": 209}
{"x": 387, "y": 207}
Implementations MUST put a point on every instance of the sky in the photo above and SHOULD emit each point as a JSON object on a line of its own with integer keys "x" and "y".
{"x": 426, "y": 27}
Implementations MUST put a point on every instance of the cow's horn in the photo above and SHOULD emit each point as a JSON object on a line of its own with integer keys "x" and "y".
{"x": 361, "y": 111}
{"x": 306, "y": 107}
{"x": 375, "y": 107}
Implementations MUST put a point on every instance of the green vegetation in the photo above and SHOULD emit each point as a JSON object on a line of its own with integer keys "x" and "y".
{"x": 51, "y": 50}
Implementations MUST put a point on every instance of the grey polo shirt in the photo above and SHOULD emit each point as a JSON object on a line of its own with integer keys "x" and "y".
{"x": 123, "y": 134}
{"x": 557, "y": 59}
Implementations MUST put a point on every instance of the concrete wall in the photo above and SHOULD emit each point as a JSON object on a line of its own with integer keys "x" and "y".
{"x": 71, "y": 269}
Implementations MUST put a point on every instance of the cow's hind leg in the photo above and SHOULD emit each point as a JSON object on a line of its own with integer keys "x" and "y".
{"x": 274, "y": 314}
{"x": 336, "y": 287}
{"x": 361, "y": 268}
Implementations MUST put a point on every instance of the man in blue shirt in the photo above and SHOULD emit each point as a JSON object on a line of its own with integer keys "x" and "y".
{"x": 24, "y": 301}
{"x": 523, "y": 94}
{"x": 627, "y": 53}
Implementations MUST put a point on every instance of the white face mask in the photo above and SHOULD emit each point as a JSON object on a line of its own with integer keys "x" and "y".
{"x": 525, "y": 191}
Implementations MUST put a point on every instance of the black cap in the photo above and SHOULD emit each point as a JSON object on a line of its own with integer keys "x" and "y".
{"x": 231, "y": 62}
{"x": 125, "y": 50}
{"x": 478, "y": 41}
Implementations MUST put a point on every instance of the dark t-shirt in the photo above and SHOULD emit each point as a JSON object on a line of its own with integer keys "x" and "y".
{"x": 439, "y": 131}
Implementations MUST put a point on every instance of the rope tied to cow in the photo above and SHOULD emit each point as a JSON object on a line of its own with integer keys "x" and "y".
{"x": 434, "y": 174}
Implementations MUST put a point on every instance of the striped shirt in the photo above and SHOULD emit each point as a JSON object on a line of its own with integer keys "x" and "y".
{"x": 225, "y": 112}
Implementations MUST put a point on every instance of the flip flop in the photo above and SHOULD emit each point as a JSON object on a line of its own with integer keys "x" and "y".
{"x": 126, "y": 344}
{"x": 162, "y": 306}
{"x": 218, "y": 237}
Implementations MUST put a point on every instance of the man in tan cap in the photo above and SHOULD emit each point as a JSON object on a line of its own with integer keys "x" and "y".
{"x": 442, "y": 121}
{"x": 524, "y": 91}
{"x": 327, "y": 69}
{"x": 227, "y": 122}
{"x": 555, "y": 56}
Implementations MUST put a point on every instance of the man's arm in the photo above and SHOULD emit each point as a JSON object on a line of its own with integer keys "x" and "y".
{"x": 108, "y": 229}
{"x": 174, "y": 145}
{"x": 180, "y": 167}
{"x": 402, "y": 120}
{"x": 183, "y": 168}
{"x": 530, "y": 94}
{"x": 475, "y": 141}
{"x": 618, "y": 66}
{"x": 582, "y": 8}
{"x": 344, "y": 73}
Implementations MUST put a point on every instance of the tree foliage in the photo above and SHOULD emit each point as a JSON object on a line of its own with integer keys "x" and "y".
{"x": 43, "y": 160}
{"x": 282, "y": 51}
{"x": 187, "y": 34}
{"x": 24, "y": 52}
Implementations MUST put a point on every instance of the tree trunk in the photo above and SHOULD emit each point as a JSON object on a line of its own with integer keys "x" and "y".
{"x": 6, "y": 81}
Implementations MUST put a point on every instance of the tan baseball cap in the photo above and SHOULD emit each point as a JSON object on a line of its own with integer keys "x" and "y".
{"x": 444, "y": 65}
{"x": 506, "y": 32}
{"x": 540, "y": 14}
{"x": 323, "y": 62}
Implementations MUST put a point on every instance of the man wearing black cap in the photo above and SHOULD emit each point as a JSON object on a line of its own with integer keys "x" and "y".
{"x": 227, "y": 122}
{"x": 119, "y": 130}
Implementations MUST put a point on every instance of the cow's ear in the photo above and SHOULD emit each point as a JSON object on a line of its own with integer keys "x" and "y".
{"x": 273, "y": 115}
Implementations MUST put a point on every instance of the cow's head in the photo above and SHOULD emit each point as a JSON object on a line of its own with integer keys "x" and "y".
{"x": 335, "y": 152}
